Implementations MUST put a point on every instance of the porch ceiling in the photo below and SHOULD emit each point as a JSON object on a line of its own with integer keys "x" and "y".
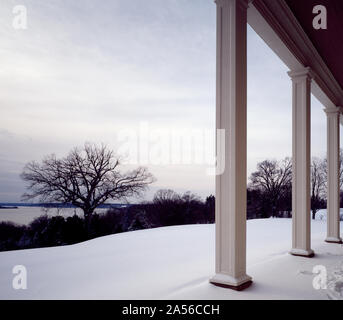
{"x": 329, "y": 43}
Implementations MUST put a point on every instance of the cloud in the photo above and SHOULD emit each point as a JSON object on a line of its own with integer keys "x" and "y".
{"x": 84, "y": 70}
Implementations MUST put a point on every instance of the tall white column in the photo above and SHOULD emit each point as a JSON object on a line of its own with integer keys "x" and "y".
{"x": 301, "y": 165}
{"x": 231, "y": 106}
{"x": 333, "y": 224}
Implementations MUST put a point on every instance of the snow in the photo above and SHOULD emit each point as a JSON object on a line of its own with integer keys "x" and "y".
{"x": 321, "y": 214}
{"x": 173, "y": 263}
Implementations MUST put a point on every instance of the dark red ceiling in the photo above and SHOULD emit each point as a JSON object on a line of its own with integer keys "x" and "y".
{"x": 329, "y": 43}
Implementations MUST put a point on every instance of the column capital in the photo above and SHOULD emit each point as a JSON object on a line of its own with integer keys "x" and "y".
{"x": 333, "y": 110}
{"x": 300, "y": 74}
{"x": 241, "y": 3}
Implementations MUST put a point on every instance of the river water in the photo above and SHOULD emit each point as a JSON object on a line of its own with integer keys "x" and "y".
{"x": 24, "y": 215}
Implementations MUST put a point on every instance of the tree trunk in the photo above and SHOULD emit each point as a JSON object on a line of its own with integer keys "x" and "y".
{"x": 87, "y": 213}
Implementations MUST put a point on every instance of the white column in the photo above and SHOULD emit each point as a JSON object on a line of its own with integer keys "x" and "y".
{"x": 231, "y": 185}
{"x": 333, "y": 224}
{"x": 301, "y": 166}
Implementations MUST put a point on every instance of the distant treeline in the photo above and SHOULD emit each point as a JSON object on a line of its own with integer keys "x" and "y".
{"x": 166, "y": 209}
{"x": 270, "y": 188}
{"x": 57, "y": 205}
{"x": 269, "y": 194}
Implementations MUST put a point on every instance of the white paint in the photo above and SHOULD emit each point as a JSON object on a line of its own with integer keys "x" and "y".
{"x": 231, "y": 115}
{"x": 333, "y": 186}
{"x": 301, "y": 166}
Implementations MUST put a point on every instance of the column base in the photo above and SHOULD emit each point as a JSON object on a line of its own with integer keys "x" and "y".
{"x": 302, "y": 253}
{"x": 333, "y": 240}
{"x": 226, "y": 281}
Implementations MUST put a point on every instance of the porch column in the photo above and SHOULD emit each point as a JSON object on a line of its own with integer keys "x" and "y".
{"x": 333, "y": 224}
{"x": 301, "y": 163}
{"x": 231, "y": 183}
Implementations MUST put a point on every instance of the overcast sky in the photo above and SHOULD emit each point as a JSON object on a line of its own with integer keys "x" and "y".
{"x": 99, "y": 71}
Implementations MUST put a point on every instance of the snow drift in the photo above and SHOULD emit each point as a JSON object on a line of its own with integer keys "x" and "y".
{"x": 173, "y": 263}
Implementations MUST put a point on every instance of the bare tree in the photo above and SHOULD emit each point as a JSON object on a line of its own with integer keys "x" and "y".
{"x": 86, "y": 178}
{"x": 340, "y": 168}
{"x": 318, "y": 184}
{"x": 164, "y": 196}
{"x": 273, "y": 178}
{"x": 176, "y": 209}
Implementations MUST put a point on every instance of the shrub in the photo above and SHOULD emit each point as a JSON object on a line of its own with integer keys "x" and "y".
{"x": 10, "y": 234}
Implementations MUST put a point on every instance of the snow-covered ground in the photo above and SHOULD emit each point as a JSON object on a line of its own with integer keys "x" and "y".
{"x": 173, "y": 263}
{"x": 321, "y": 214}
